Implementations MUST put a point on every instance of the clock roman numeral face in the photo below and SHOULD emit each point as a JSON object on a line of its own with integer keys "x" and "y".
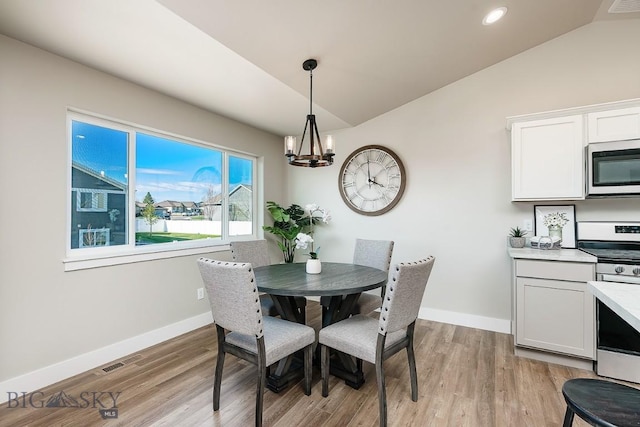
{"x": 372, "y": 180}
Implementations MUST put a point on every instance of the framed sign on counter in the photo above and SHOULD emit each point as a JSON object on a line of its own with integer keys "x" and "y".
{"x": 556, "y": 221}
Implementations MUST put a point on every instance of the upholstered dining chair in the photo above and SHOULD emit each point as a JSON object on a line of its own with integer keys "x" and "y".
{"x": 242, "y": 330}
{"x": 256, "y": 252}
{"x": 375, "y": 340}
{"x": 370, "y": 253}
{"x": 376, "y": 254}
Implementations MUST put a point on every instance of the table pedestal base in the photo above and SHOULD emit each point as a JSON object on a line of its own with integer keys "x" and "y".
{"x": 341, "y": 365}
{"x": 280, "y": 380}
{"x": 352, "y": 379}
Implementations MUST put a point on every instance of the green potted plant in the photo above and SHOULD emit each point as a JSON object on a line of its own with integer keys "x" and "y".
{"x": 286, "y": 226}
{"x": 517, "y": 237}
{"x": 293, "y": 226}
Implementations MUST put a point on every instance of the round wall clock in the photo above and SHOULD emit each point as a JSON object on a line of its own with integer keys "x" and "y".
{"x": 372, "y": 180}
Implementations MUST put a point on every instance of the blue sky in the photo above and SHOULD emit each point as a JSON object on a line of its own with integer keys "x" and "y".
{"x": 169, "y": 170}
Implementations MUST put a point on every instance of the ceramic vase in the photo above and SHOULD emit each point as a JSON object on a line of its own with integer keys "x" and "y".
{"x": 314, "y": 266}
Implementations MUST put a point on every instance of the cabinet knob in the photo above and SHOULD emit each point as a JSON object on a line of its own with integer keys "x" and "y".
{"x": 619, "y": 269}
{"x": 636, "y": 271}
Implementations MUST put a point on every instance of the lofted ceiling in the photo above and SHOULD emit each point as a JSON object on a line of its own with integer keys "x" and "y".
{"x": 243, "y": 59}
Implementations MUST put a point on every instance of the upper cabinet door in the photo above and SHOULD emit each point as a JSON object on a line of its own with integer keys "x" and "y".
{"x": 547, "y": 159}
{"x": 614, "y": 125}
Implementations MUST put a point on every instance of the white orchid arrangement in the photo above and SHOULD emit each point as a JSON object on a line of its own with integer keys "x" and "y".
{"x": 555, "y": 219}
{"x": 303, "y": 240}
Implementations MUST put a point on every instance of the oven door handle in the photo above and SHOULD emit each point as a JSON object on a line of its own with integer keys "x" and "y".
{"x": 620, "y": 279}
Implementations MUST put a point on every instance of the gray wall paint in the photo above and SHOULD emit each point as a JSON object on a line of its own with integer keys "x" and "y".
{"x": 456, "y": 150}
{"x": 47, "y": 315}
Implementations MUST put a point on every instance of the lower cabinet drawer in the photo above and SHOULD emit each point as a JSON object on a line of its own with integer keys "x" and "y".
{"x": 573, "y": 271}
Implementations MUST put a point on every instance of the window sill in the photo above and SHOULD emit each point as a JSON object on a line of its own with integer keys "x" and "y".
{"x": 117, "y": 258}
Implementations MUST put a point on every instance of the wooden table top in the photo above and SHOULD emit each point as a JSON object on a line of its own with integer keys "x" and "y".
{"x": 603, "y": 403}
{"x": 335, "y": 279}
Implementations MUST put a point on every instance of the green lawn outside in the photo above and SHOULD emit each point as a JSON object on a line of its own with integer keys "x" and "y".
{"x": 161, "y": 237}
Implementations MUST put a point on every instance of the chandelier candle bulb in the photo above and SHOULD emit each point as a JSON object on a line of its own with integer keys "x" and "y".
{"x": 330, "y": 145}
{"x": 289, "y": 145}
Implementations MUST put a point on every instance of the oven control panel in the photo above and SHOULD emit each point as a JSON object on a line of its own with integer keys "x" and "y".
{"x": 627, "y": 229}
{"x": 609, "y": 231}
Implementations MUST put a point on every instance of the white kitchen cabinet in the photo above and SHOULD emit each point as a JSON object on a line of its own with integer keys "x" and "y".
{"x": 547, "y": 159}
{"x": 554, "y": 310}
{"x": 614, "y": 125}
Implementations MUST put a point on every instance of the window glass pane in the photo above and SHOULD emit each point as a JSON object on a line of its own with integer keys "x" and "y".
{"x": 184, "y": 191}
{"x": 240, "y": 196}
{"x": 98, "y": 185}
{"x": 178, "y": 191}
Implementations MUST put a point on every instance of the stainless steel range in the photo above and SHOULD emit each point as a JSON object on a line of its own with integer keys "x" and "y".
{"x": 617, "y": 247}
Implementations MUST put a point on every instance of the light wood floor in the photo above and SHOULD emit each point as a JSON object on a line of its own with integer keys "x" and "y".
{"x": 466, "y": 377}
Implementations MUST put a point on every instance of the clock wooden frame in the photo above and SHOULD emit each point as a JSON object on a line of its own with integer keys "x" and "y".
{"x": 396, "y": 198}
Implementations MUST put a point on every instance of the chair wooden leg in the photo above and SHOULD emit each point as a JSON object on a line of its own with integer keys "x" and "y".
{"x": 382, "y": 392}
{"x": 568, "y": 418}
{"x": 413, "y": 373}
{"x": 308, "y": 361}
{"x": 324, "y": 369}
{"x": 217, "y": 380}
{"x": 262, "y": 380}
{"x": 412, "y": 364}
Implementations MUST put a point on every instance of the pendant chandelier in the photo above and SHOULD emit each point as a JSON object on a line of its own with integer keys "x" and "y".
{"x": 318, "y": 155}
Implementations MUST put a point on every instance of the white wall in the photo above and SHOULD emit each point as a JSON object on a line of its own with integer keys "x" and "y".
{"x": 48, "y": 316}
{"x": 456, "y": 151}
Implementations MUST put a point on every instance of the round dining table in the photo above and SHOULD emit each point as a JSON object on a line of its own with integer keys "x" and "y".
{"x": 341, "y": 282}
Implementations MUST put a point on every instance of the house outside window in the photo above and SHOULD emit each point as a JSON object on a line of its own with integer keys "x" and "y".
{"x": 132, "y": 189}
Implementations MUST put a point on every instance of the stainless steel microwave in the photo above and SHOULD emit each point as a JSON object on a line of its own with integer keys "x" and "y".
{"x": 613, "y": 169}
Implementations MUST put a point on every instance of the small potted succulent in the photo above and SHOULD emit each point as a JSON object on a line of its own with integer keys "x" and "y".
{"x": 517, "y": 237}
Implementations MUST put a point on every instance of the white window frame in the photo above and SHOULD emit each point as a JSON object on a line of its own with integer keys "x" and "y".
{"x": 91, "y": 257}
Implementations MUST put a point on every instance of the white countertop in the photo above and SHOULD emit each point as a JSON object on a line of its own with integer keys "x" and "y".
{"x": 622, "y": 298}
{"x": 570, "y": 255}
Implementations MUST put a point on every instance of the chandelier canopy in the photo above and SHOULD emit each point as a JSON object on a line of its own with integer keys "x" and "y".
{"x": 318, "y": 155}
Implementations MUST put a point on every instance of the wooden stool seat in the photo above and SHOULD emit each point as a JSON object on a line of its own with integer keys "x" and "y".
{"x": 601, "y": 403}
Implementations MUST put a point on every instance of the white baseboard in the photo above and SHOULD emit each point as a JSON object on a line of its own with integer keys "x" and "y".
{"x": 558, "y": 359}
{"x": 48, "y": 375}
{"x": 464, "y": 319}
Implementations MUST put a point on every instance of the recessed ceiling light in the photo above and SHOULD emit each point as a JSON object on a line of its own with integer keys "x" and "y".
{"x": 494, "y": 15}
